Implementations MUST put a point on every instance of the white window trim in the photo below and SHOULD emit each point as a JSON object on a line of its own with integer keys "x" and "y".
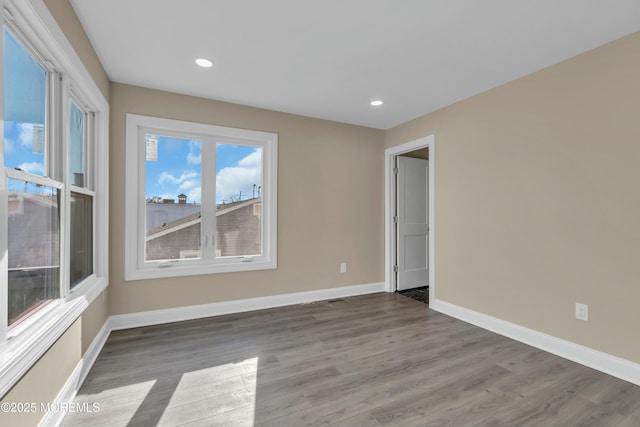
{"x": 27, "y": 342}
{"x": 135, "y": 267}
{"x": 90, "y": 180}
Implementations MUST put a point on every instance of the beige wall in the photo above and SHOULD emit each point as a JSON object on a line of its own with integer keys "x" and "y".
{"x": 93, "y": 319}
{"x": 67, "y": 19}
{"x": 45, "y": 379}
{"x": 42, "y": 383}
{"x": 330, "y": 204}
{"x": 538, "y": 199}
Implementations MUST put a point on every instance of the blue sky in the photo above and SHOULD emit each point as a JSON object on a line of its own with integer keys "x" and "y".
{"x": 24, "y": 102}
{"x": 18, "y": 148}
{"x": 178, "y": 170}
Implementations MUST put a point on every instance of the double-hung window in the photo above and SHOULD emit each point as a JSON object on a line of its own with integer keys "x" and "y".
{"x": 52, "y": 183}
{"x": 199, "y": 198}
{"x": 33, "y": 199}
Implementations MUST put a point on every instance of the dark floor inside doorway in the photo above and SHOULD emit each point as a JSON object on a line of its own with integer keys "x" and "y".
{"x": 419, "y": 294}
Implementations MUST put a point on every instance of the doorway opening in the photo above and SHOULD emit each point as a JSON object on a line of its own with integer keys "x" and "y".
{"x": 409, "y": 219}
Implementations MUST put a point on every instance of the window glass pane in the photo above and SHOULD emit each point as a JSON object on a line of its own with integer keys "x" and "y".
{"x": 173, "y": 182}
{"x": 238, "y": 200}
{"x": 25, "y": 84}
{"x": 81, "y": 261}
{"x": 77, "y": 144}
{"x": 34, "y": 247}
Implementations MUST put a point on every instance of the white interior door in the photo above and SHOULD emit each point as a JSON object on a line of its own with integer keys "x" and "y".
{"x": 412, "y": 223}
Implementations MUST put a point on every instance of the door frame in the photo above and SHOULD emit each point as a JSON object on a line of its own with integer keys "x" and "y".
{"x": 389, "y": 211}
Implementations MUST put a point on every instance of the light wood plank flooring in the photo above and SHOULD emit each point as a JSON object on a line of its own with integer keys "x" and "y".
{"x": 380, "y": 359}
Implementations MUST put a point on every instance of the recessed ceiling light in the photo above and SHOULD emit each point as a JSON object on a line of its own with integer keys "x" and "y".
{"x": 376, "y": 103}
{"x": 205, "y": 63}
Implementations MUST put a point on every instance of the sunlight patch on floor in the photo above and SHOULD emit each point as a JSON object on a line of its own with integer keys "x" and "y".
{"x": 222, "y": 394}
{"x": 118, "y": 402}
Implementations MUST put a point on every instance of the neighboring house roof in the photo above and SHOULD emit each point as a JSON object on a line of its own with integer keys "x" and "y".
{"x": 158, "y": 213}
{"x": 16, "y": 199}
{"x": 195, "y": 218}
{"x": 229, "y": 207}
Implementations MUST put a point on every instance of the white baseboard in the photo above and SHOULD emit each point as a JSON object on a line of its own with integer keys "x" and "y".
{"x": 156, "y": 317}
{"x": 603, "y": 362}
{"x": 54, "y": 417}
{"x": 94, "y": 350}
{"x": 75, "y": 380}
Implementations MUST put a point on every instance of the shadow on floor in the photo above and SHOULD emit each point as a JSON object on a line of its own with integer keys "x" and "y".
{"x": 419, "y": 294}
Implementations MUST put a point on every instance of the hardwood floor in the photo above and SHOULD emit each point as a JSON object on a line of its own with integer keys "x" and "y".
{"x": 380, "y": 359}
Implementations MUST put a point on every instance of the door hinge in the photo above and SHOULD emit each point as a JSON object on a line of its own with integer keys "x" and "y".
{"x": 395, "y": 170}
{"x": 395, "y": 268}
{"x": 395, "y": 219}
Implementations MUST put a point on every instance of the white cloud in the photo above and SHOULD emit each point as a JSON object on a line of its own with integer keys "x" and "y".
{"x": 33, "y": 167}
{"x": 194, "y": 195}
{"x": 187, "y": 185}
{"x": 167, "y": 178}
{"x": 231, "y": 180}
{"x": 25, "y": 133}
{"x": 194, "y": 157}
{"x": 8, "y": 146}
{"x": 253, "y": 160}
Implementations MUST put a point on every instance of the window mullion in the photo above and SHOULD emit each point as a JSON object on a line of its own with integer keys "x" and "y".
{"x": 53, "y": 130}
{"x": 140, "y": 185}
{"x": 208, "y": 197}
{"x": 90, "y": 150}
{"x": 60, "y": 146}
{"x": 91, "y": 180}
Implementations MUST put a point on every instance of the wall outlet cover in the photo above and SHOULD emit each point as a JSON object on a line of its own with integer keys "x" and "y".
{"x": 582, "y": 311}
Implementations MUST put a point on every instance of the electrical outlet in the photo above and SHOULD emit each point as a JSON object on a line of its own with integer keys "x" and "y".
{"x": 343, "y": 267}
{"x": 582, "y": 311}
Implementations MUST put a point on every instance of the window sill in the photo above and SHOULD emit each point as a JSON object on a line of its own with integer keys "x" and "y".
{"x": 195, "y": 270}
{"x": 30, "y": 341}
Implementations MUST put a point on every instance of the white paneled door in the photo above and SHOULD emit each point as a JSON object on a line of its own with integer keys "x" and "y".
{"x": 412, "y": 223}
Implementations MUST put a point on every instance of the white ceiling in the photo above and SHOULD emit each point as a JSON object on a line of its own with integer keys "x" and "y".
{"x": 329, "y": 58}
